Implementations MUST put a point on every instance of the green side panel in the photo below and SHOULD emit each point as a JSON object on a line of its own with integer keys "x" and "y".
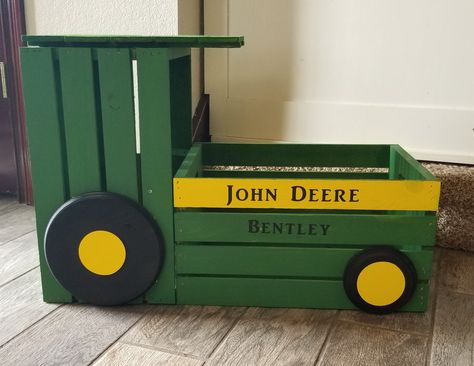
{"x": 118, "y": 121}
{"x": 199, "y": 41}
{"x": 191, "y": 165}
{"x": 48, "y": 165}
{"x": 314, "y": 228}
{"x": 404, "y": 166}
{"x": 278, "y": 261}
{"x": 271, "y": 292}
{"x": 156, "y": 159}
{"x": 370, "y": 156}
{"x": 83, "y": 134}
{"x": 181, "y": 107}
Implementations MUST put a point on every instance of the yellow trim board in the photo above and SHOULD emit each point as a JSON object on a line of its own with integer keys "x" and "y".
{"x": 410, "y": 195}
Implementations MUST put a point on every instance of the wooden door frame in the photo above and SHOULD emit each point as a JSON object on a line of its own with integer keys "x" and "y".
{"x": 14, "y": 13}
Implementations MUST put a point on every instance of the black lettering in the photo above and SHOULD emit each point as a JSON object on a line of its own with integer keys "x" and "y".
{"x": 339, "y": 195}
{"x": 312, "y": 195}
{"x": 325, "y": 228}
{"x": 245, "y": 195}
{"x": 290, "y": 228}
{"x": 229, "y": 194}
{"x": 254, "y": 226}
{"x": 325, "y": 195}
{"x": 271, "y": 194}
{"x": 353, "y": 195}
{"x": 266, "y": 228}
{"x": 300, "y": 231}
{"x": 294, "y": 193}
{"x": 313, "y": 229}
{"x": 278, "y": 227}
{"x": 256, "y": 194}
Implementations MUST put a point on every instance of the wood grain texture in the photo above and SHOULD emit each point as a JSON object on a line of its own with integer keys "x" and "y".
{"x": 354, "y": 229}
{"x": 118, "y": 121}
{"x": 143, "y": 41}
{"x": 127, "y": 354}
{"x": 456, "y": 270}
{"x": 266, "y": 292}
{"x": 188, "y": 330}
{"x": 72, "y": 335}
{"x": 352, "y": 344}
{"x": 406, "y": 322}
{"x": 21, "y": 305}
{"x": 155, "y": 159}
{"x": 453, "y": 334}
{"x": 7, "y": 203}
{"x": 16, "y": 222}
{"x": 297, "y": 155}
{"x": 81, "y": 124}
{"x": 17, "y": 257}
{"x": 274, "y": 337}
{"x": 241, "y": 259}
{"x": 43, "y": 108}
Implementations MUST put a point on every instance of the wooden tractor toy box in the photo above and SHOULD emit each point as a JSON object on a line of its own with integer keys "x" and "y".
{"x": 161, "y": 220}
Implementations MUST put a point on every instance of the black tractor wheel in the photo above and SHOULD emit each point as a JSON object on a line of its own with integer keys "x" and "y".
{"x": 103, "y": 248}
{"x": 380, "y": 280}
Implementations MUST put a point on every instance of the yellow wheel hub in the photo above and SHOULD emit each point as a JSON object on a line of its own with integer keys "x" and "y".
{"x": 102, "y": 252}
{"x": 381, "y": 283}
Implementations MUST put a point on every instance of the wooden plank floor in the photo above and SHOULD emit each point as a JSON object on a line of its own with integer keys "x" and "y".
{"x": 35, "y": 333}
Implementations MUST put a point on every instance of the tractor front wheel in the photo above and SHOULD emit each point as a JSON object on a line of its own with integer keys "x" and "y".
{"x": 380, "y": 280}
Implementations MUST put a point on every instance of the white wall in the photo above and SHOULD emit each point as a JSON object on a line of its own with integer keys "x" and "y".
{"x": 369, "y": 71}
{"x": 189, "y": 22}
{"x": 117, "y": 17}
{"x": 124, "y": 17}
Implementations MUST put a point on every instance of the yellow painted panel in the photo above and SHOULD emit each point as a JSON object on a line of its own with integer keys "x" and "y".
{"x": 307, "y": 194}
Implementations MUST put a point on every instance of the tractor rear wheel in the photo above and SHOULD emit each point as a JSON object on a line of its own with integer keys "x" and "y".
{"x": 103, "y": 248}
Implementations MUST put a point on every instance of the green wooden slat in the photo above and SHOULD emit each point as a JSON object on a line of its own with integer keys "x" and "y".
{"x": 181, "y": 103}
{"x": 136, "y": 41}
{"x": 191, "y": 165}
{"x": 344, "y": 229}
{"x": 118, "y": 121}
{"x": 156, "y": 159}
{"x": 298, "y": 293}
{"x": 369, "y": 156}
{"x": 80, "y": 120}
{"x": 406, "y": 166}
{"x": 43, "y": 118}
{"x": 288, "y": 261}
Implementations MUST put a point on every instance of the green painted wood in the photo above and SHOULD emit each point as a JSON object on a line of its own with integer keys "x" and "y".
{"x": 181, "y": 104}
{"x": 81, "y": 125}
{"x": 407, "y": 167}
{"x": 305, "y": 228}
{"x": 277, "y": 261}
{"x": 370, "y": 156}
{"x": 191, "y": 165}
{"x": 118, "y": 121}
{"x": 269, "y": 292}
{"x": 174, "y": 53}
{"x": 156, "y": 159}
{"x": 291, "y": 175}
{"x": 46, "y": 145}
{"x": 135, "y": 41}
